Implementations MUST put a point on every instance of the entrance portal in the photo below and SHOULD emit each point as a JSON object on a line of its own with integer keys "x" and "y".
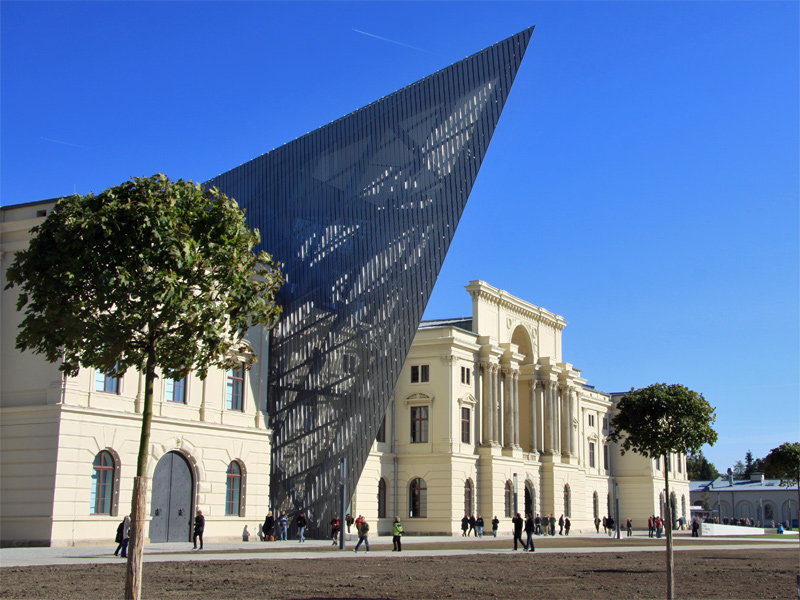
{"x": 171, "y": 505}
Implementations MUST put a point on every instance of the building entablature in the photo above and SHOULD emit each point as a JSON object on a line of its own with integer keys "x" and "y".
{"x": 483, "y": 292}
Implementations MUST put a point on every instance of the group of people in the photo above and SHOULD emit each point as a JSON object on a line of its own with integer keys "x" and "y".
{"x": 655, "y": 526}
{"x": 267, "y": 530}
{"x": 608, "y": 525}
{"x": 471, "y": 525}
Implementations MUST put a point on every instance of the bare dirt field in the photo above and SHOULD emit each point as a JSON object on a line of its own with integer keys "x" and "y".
{"x": 757, "y": 574}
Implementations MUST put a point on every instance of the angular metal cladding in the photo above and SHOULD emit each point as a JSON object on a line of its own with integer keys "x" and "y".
{"x": 361, "y": 213}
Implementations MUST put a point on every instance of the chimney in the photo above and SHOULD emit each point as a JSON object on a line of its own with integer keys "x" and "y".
{"x": 757, "y": 477}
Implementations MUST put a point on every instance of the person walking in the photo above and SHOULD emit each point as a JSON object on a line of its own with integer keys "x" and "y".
{"x": 610, "y": 526}
{"x": 363, "y": 533}
{"x": 126, "y": 535}
{"x": 472, "y": 529}
{"x": 561, "y": 525}
{"x": 269, "y": 525}
{"x": 301, "y": 527}
{"x": 479, "y": 526}
{"x": 516, "y": 522}
{"x": 605, "y": 525}
{"x": 567, "y": 525}
{"x": 597, "y": 524}
{"x": 537, "y": 524}
{"x": 552, "y": 524}
{"x": 119, "y": 537}
{"x": 349, "y": 520}
{"x": 629, "y": 527}
{"x": 495, "y": 525}
{"x": 464, "y": 526}
{"x": 336, "y": 525}
{"x": 283, "y": 523}
{"x": 529, "y": 529}
{"x": 199, "y": 528}
{"x": 397, "y": 533}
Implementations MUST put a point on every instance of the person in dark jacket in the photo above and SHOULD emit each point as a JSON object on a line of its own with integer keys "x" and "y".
{"x": 269, "y": 524}
{"x": 199, "y": 528}
{"x": 517, "y": 523}
{"x": 529, "y": 529}
{"x": 567, "y": 525}
{"x": 479, "y": 525}
{"x": 301, "y": 527}
{"x": 495, "y": 525}
{"x": 119, "y": 538}
{"x": 561, "y": 525}
{"x": 472, "y": 526}
{"x": 464, "y": 526}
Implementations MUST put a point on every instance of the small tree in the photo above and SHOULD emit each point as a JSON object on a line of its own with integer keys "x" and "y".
{"x": 149, "y": 274}
{"x": 660, "y": 420}
{"x": 783, "y": 462}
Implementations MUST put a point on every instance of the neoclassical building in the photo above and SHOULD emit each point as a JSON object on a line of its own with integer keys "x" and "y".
{"x": 486, "y": 418}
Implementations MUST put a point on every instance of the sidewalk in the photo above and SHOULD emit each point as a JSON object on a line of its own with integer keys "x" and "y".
{"x": 381, "y": 546}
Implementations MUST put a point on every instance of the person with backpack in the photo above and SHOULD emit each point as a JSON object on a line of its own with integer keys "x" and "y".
{"x": 397, "y": 533}
{"x": 363, "y": 533}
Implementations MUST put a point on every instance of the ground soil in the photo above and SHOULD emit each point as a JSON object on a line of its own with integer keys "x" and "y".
{"x": 744, "y": 574}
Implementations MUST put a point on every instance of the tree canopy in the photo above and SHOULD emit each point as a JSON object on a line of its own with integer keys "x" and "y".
{"x": 147, "y": 266}
{"x": 660, "y": 419}
{"x": 783, "y": 463}
{"x": 699, "y": 468}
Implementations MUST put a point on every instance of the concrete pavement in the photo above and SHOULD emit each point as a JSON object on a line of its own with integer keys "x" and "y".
{"x": 380, "y": 546}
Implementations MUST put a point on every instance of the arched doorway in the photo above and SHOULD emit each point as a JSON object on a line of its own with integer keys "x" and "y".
{"x": 530, "y": 499}
{"x": 171, "y": 512}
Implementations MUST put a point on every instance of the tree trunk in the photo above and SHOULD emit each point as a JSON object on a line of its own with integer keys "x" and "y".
{"x": 668, "y": 525}
{"x": 133, "y": 571}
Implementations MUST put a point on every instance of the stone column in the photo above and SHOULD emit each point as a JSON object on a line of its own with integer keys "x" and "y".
{"x": 479, "y": 410}
{"x": 488, "y": 403}
{"x": 549, "y": 418}
{"x": 515, "y": 414}
{"x": 508, "y": 410}
{"x": 532, "y": 400}
{"x": 565, "y": 428}
{"x": 539, "y": 396}
{"x": 497, "y": 431}
{"x": 573, "y": 412}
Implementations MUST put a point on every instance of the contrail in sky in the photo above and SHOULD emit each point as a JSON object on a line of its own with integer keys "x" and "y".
{"x": 65, "y": 143}
{"x": 392, "y": 41}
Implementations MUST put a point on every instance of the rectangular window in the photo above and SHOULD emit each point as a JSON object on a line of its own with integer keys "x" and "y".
{"x": 175, "y": 390}
{"x": 591, "y": 455}
{"x": 106, "y": 383}
{"x": 658, "y": 464}
{"x": 420, "y": 374}
{"x": 465, "y": 374}
{"x": 605, "y": 422}
{"x": 234, "y": 398}
{"x": 591, "y": 420}
{"x": 680, "y": 467}
{"x": 465, "y": 425}
{"x": 419, "y": 424}
{"x": 605, "y": 457}
{"x": 381, "y": 437}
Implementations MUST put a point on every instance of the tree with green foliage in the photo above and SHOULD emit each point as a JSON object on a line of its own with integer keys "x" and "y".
{"x": 698, "y": 468}
{"x": 783, "y": 463}
{"x": 151, "y": 274}
{"x": 658, "y": 421}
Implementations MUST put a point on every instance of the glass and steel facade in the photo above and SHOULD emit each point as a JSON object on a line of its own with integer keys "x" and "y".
{"x": 361, "y": 213}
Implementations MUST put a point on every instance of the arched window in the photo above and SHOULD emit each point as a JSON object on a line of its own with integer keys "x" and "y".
{"x": 509, "y": 497}
{"x": 418, "y": 499}
{"x": 567, "y": 502}
{"x": 468, "y": 497}
{"x": 769, "y": 513}
{"x": 102, "y": 483}
{"x": 233, "y": 489}
{"x": 595, "y": 505}
{"x": 381, "y": 498}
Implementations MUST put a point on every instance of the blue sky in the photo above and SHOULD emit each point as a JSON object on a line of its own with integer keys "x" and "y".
{"x": 643, "y": 180}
